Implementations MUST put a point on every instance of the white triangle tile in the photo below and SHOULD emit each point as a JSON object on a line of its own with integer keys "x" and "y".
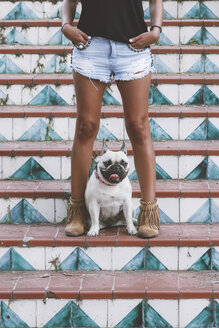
{"x": 172, "y": 32}
{"x": 13, "y": 92}
{"x": 29, "y": 93}
{"x": 170, "y": 206}
{"x": 170, "y": 60}
{"x": 6, "y": 127}
{"x": 20, "y": 126}
{"x": 215, "y": 121}
{"x": 3, "y": 251}
{"x": 169, "y": 125}
{"x": 171, "y": 8}
{"x": 71, "y": 124}
{"x": 124, "y": 306}
{"x": 188, "y": 206}
{"x": 184, "y": 7}
{"x": 11, "y": 164}
{"x": 186, "y": 61}
{"x": 170, "y": 91}
{"x": 187, "y": 32}
{"x": 188, "y": 125}
{"x": 213, "y": 30}
{"x": 97, "y": 310}
{"x": 56, "y": 255}
{"x": 131, "y": 164}
{"x": 65, "y": 167}
{"x": 45, "y": 34}
{"x": 120, "y": 257}
{"x": 37, "y": 7}
{"x": 192, "y": 307}
{"x": 114, "y": 125}
{"x": 6, "y": 205}
{"x": 187, "y": 164}
{"x": 168, "y": 309}
{"x": 60, "y": 209}
{"x": 214, "y": 58}
{"x": 168, "y": 256}
{"x": 213, "y": 6}
{"x": 35, "y": 256}
{"x": 45, "y": 206}
{"x": 186, "y": 91}
{"x": 47, "y": 309}
{"x": 6, "y": 7}
{"x": 102, "y": 256}
{"x": 189, "y": 255}
{"x": 67, "y": 92}
{"x": 169, "y": 164}
{"x": 25, "y": 309}
{"x": 59, "y": 125}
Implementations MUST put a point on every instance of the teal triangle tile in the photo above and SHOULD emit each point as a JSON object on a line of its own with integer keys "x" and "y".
{"x": 204, "y": 319}
{"x": 164, "y": 40}
{"x": 78, "y": 260}
{"x": 200, "y": 171}
{"x": 23, "y": 212}
{"x": 157, "y": 132}
{"x": 200, "y": 133}
{"x": 214, "y": 259}
{"x": 48, "y": 96}
{"x": 59, "y": 38}
{"x": 62, "y": 318}
{"x": 104, "y": 133}
{"x": 15, "y": 37}
{"x": 144, "y": 260}
{"x": 210, "y": 67}
{"x": 203, "y": 263}
{"x": 31, "y": 170}
{"x": 197, "y": 98}
{"x": 157, "y": 98}
{"x": 21, "y": 11}
{"x": 202, "y": 215}
{"x": 163, "y": 217}
{"x": 108, "y": 99}
{"x": 71, "y": 316}
{"x": 133, "y": 319}
{"x": 152, "y": 319}
{"x": 9, "y": 319}
{"x": 212, "y": 170}
{"x": 5, "y": 100}
{"x": 161, "y": 67}
{"x": 216, "y": 314}
{"x": 133, "y": 175}
{"x": 57, "y": 13}
{"x": 50, "y": 66}
{"x": 40, "y": 131}
{"x": 62, "y": 66}
{"x": 199, "y": 10}
{"x": 214, "y": 211}
{"x": 203, "y": 37}
{"x": 198, "y": 66}
{"x": 166, "y": 15}
{"x": 210, "y": 97}
{"x": 8, "y": 66}
{"x": 13, "y": 261}
{"x": 2, "y": 138}
{"x": 161, "y": 174}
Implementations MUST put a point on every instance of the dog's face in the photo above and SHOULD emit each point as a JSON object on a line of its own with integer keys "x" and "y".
{"x": 113, "y": 166}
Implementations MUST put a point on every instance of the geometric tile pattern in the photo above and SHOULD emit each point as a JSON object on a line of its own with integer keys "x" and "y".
{"x": 204, "y": 96}
{"x": 21, "y": 11}
{"x": 40, "y": 131}
{"x": 9, "y": 318}
{"x": 13, "y": 261}
{"x": 200, "y": 11}
{"x": 205, "y": 131}
{"x": 203, "y": 36}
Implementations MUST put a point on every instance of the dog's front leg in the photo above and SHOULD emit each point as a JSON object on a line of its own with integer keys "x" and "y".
{"x": 127, "y": 210}
{"x": 94, "y": 210}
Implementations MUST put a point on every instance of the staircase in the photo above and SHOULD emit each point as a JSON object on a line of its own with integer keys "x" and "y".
{"x": 113, "y": 280}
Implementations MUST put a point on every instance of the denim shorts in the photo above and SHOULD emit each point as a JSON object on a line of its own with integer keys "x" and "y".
{"x": 108, "y": 61}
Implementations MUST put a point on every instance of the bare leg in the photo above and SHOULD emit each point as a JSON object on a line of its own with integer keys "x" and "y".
{"x": 87, "y": 125}
{"x": 135, "y": 102}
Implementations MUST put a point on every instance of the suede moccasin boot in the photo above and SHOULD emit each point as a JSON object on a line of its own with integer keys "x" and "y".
{"x": 76, "y": 217}
{"x": 148, "y": 219}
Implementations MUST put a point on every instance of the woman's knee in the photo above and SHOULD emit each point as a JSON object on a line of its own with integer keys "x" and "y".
{"x": 86, "y": 129}
{"x": 138, "y": 130}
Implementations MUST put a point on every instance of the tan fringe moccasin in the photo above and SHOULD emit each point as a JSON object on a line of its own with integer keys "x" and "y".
{"x": 76, "y": 217}
{"x": 148, "y": 219}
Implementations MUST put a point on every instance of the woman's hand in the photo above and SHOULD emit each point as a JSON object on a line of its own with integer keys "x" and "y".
{"x": 145, "y": 39}
{"x": 74, "y": 34}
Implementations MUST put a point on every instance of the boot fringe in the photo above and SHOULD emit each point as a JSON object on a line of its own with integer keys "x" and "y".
{"x": 76, "y": 208}
{"x": 149, "y": 214}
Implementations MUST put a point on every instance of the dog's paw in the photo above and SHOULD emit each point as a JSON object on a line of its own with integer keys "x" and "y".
{"x": 93, "y": 232}
{"x": 132, "y": 230}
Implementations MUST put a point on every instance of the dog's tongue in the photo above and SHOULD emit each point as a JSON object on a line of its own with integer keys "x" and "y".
{"x": 114, "y": 177}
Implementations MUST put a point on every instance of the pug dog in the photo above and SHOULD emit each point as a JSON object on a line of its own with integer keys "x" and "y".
{"x": 108, "y": 194}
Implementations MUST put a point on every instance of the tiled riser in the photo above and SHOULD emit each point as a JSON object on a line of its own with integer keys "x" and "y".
{"x": 170, "y": 63}
{"x": 109, "y": 258}
{"x": 162, "y": 128}
{"x": 59, "y": 167}
{"x": 54, "y": 210}
{"x": 171, "y": 35}
{"x": 200, "y": 313}
{"x": 163, "y": 94}
{"x": 48, "y": 10}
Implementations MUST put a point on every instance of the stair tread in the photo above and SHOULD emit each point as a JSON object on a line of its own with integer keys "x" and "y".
{"x": 109, "y": 285}
{"x": 67, "y": 78}
{"x": 171, "y": 234}
{"x": 62, "y": 188}
{"x": 65, "y": 49}
{"x": 63, "y": 148}
{"x": 108, "y": 111}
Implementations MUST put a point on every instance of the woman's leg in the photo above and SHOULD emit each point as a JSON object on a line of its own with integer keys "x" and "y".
{"x": 135, "y": 102}
{"x": 89, "y": 94}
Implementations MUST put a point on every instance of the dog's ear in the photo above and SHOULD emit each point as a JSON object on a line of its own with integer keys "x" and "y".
{"x": 124, "y": 148}
{"x": 104, "y": 147}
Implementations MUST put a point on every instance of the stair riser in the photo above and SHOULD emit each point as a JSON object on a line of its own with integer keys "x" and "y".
{"x": 172, "y": 35}
{"x": 162, "y": 128}
{"x": 48, "y": 10}
{"x": 165, "y": 63}
{"x": 17, "y": 210}
{"x": 59, "y": 167}
{"x": 108, "y": 258}
{"x": 104, "y": 313}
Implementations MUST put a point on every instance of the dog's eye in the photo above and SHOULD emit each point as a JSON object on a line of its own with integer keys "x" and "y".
{"x": 107, "y": 163}
{"x": 123, "y": 163}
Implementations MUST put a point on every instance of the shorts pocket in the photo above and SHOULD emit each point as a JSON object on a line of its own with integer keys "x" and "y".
{"x": 82, "y": 46}
{"x": 135, "y": 49}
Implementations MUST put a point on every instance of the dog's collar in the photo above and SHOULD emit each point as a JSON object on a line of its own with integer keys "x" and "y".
{"x": 99, "y": 178}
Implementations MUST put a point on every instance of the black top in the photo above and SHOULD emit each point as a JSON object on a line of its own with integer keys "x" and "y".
{"x": 118, "y": 20}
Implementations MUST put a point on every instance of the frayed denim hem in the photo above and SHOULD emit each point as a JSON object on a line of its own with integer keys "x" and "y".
{"x": 131, "y": 76}
{"x": 90, "y": 76}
